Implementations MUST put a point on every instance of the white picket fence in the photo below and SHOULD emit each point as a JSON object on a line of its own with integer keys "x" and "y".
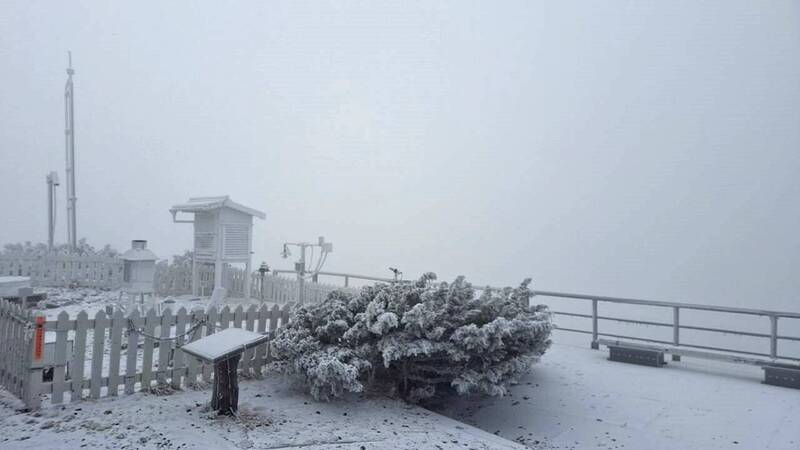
{"x": 109, "y": 356}
{"x": 173, "y": 279}
{"x": 16, "y": 351}
{"x": 65, "y": 270}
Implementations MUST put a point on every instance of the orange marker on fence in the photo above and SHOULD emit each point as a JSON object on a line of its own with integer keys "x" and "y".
{"x": 38, "y": 343}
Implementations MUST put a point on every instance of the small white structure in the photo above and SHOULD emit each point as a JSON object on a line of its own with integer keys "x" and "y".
{"x": 223, "y": 233}
{"x": 138, "y": 274}
{"x": 139, "y": 269}
{"x": 10, "y": 286}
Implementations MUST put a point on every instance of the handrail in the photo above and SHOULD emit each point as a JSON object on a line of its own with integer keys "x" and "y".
{"x": 773, "y": 335}
{"x": 346, "y": 276}
{"x": 695, "y": 306}
{"x": 682, "y": 327}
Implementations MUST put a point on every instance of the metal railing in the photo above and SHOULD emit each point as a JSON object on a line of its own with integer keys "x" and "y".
{"x": 346, "y": 276}
{"x": 676, "y": 325}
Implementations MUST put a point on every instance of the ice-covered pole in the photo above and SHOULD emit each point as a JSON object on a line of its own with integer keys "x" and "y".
{"x": 69, "y": 131}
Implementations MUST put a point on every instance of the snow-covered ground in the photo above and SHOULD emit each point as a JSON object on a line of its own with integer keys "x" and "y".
{"x": 575, "y": 399}
{"x": 273, "y": 415}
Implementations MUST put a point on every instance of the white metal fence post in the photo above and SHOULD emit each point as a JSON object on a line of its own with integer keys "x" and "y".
{"x": 676, "y": 330}
{"x": 773, "y": 336}
{"x": 595, "y": 344}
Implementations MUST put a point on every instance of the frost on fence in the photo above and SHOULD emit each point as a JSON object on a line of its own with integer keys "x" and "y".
{"x": 65, "y": 270}
{"x": 170, "y": 279}
{"x": 99, "y": 356}
{"x": 15, "y": 335}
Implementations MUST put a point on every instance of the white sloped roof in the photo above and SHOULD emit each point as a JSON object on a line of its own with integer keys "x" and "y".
{"x": 139, "y": 254}
{"x": 199, "y": 204}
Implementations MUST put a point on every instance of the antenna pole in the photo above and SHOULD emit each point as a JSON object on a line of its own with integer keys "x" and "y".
{"x": 52, "y": 182}
{"x": 69, "y": 133}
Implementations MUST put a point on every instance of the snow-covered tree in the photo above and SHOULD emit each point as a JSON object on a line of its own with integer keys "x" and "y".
{"x": 83, "y": 248}
{"x": 415, "y": 339}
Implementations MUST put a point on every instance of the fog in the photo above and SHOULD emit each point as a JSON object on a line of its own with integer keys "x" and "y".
{"x": 647, "y": 149}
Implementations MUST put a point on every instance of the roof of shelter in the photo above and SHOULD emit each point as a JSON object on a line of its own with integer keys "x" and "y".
{"x": 202, "y": 204}
{"x": 139, "y": 254}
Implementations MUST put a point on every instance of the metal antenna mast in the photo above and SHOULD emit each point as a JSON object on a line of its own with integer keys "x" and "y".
{"x": 72, "y": 233}
{"x": 52, "y": 182}
{"x": 300, "y": 266}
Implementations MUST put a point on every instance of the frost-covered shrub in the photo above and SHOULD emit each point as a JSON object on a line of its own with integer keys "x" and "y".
{"x": 414, "y": 338}
{"x": 83, "y": 248}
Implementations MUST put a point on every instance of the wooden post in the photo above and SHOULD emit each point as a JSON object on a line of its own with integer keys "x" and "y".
{"x": 195, "y": 277}
{"x": 101, "y": 322}
{"x": 60, "y": 358}
{"x": 136, "y": 323}
{"x": 79, "y": 355}
{"x": 35, "y": 353}
{"x": 225, "y": 395}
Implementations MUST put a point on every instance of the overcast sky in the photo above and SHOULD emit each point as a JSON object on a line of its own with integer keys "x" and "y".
{"x": 623, "y": 148}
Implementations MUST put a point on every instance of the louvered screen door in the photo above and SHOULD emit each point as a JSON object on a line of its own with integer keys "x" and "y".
{"x": 235, "y": 243}
{"x": 205, "y": 245}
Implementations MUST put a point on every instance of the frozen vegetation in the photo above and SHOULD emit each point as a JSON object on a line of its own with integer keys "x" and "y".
{"x": 414, "y": 340}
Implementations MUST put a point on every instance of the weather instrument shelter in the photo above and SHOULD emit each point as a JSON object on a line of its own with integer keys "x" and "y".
{"x": 223, "y": 234}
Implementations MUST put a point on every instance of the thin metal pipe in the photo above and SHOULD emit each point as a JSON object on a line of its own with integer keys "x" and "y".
{"x": 703, "y": 347}
{"x": 773, "y": 337}
{"x": 635, "y": 338}
{"x": 594, "y": 345}
{"x": 347, "y": 276}
{"x": 683, "y": 327}
{"x": 573, "y": 330}
{"x": 616, "y": 319}
{"x": 633, "y": 301}
{"x": 676, "y": 325}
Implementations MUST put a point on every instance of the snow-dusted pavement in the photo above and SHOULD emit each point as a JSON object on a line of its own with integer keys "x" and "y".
{"x": 272, "y": 415}
{"x": 575, "y": 398}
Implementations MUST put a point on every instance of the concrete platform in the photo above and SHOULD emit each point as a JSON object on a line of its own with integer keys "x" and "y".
{"x": 272, "y": 415}
{"x": 576, "y": 398}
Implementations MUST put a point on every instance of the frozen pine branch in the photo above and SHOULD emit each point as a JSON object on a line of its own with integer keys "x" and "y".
{"x": 419, "y": 339}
